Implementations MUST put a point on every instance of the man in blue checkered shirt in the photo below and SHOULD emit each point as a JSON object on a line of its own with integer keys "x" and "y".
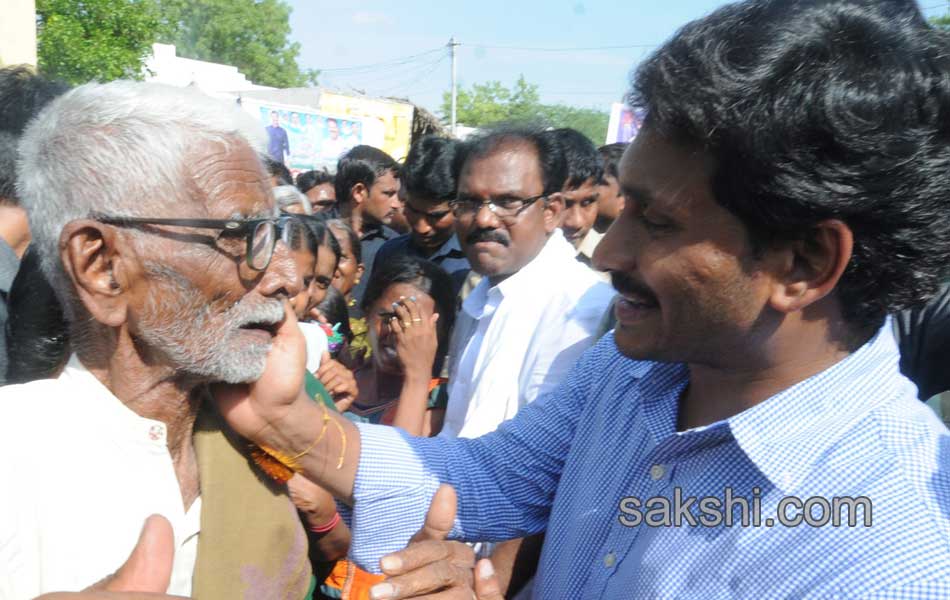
{"x": 789, "y": 189}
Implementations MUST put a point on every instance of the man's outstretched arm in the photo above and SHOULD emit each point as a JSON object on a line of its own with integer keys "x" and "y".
{"x": 505, "y": 480}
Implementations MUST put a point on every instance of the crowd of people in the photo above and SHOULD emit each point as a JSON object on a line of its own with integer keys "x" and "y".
{"x": 456, "y": 376}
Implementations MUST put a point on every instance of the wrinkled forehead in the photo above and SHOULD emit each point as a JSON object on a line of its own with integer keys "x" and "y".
{"x": 229, "y": 181}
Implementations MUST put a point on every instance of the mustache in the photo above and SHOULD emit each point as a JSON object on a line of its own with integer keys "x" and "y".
{"x": 249, "y": 311}
{"x": 488, "y": 235}
{"x": 627, "y": 285}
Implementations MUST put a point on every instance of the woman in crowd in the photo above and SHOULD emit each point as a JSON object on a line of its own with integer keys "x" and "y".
{"x": 410, "y": 309}
{"x": 348, "y": 274}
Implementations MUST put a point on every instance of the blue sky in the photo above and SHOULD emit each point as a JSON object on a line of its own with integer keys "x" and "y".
{"x": 362, "y": 33}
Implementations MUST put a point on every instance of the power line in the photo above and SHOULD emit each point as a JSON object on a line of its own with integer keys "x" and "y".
{"x": 384, "y": 64}
{"x": 393, "y": 79}
{"x": 393, "y": 72}
{"x": 422, "y": 75}
{"x": 564, "y": 49}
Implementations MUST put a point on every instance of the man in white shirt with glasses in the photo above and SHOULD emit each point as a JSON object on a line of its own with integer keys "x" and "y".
{"x": 536, "y": 309}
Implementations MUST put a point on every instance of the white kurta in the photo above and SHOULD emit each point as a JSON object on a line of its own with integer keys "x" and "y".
{"x": 79, "y": 474}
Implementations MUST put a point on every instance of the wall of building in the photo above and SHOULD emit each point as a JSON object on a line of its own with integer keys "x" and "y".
{"x": 18, "y": 32}
{"x": 165, "y": 66}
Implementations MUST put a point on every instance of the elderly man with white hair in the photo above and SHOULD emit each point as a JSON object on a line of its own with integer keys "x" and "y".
{"x": 155, "y": 223}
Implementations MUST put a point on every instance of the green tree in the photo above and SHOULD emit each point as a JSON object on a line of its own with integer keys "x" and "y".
{"x": 490, "y": 103}
{"x": 249, "y": 34}
{"x": 80, "y": 41}
{"x": 941, "y": 22}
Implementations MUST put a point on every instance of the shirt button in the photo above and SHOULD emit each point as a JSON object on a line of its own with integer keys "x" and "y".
{"x": 657, "y": 472}
{"x": 610, "y": 560}
{"x": 156, "y": 433}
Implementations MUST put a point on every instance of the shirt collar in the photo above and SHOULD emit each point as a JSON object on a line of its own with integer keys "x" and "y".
{"x": 484, "y": 298}
{"x": 376, "y": 230}
{"x": 556, "y": 251}
{"x": 589, "y": 243}
{"x": 9, "y": 265}
{"x": 788, "y": 433}
{"x": 449, "y": 248}
{"x": 107, "y": 411}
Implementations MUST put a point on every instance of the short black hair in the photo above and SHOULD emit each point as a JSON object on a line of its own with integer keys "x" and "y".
{"x": 815, "y": 110}
{"x": 37, "y": 336}
{"x": 279, "y": 170}
{"x": 430, "y": 170}
{"x": 23, "y": 94}
{"x": 363, "y": 164}
{"x": 549, "y": 152}
{"x": 581, "y": 160}
{"x": 429, "y": 278}
{"x": 308, "y": 180}
{"x": 8, "y": 158}
{"x": 611, "y": 154}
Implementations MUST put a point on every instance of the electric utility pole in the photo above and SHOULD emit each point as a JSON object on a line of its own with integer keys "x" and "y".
{"x": 452, "y": 45}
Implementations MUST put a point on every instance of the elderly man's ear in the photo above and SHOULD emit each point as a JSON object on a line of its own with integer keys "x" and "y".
{"x": 101, "y": 267}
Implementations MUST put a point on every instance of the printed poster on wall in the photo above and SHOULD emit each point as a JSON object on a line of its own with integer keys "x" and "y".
{"x": 387, "y": 124}
{"x": 303, "y": 138}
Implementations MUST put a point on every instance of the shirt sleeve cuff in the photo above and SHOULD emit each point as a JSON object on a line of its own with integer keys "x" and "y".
{"x": 391, "y": 494}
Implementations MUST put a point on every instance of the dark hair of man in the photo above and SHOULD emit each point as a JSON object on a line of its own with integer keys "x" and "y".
{"x": 428, "y": 277}
{"x": 582, "y": 162}
{"x": 23, "y": 94}
{"x": 8, "y": 158}
{"x": 363, "y": 164}
{"x": 611, "y": 154}
{"x": 310, "y": 179}
{"x": 343, "y": 226}
{"x": 549, "y": 153}
{"x": 815, "y": 110}
{"x": 36, "y": 332}
{"x": 335, "y": 310}
{"x": 430, "y": 169}
{"x": 278, "y": 170}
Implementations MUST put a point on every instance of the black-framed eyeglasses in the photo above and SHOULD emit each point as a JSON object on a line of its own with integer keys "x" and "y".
{"x": 503, "y": 208}
{"x": 261, "y": 235}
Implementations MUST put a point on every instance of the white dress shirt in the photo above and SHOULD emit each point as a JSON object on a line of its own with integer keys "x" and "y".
{"x": 80, "y": 473}
{"x": 518, "y": 339}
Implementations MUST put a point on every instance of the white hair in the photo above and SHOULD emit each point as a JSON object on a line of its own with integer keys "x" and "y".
{"x": 119, "y": 148}
{"x": 286, "y": 196}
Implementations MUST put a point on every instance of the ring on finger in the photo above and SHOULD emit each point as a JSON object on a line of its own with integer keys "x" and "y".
{"x": 417, "y": 320}
{"x": 406, "y": 324}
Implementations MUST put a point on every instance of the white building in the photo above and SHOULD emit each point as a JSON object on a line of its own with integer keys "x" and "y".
{"x": 165, "y": 66}
{"x": 18, "y": 32}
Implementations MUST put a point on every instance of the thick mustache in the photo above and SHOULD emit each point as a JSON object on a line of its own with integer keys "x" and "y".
{"x": 246, "y": 312}
{"x": 488, "y": 235}
{"x": 626, "y": 285}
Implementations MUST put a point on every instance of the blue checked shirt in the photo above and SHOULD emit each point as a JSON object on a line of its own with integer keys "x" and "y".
{"x": 567, "y": 461}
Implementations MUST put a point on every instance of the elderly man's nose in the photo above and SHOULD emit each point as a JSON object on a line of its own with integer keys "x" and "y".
{"x": 283, "y": 276}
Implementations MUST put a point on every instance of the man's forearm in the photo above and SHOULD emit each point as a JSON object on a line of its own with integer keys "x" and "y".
{"x": 321, "y": 445}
